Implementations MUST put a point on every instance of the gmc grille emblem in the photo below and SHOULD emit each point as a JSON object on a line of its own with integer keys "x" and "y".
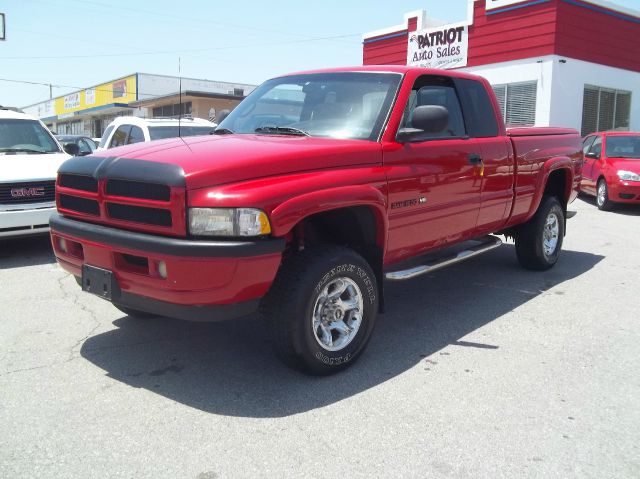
{"x": 32, "y": 191}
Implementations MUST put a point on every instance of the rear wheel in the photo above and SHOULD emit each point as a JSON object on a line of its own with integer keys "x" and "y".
{"x": 321, "y": 309}
{"x": 539, "y": 241}
{"x": 602, "y": 196}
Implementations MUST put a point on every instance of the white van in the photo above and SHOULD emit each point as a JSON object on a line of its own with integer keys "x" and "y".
{"x": 29, "y": 160}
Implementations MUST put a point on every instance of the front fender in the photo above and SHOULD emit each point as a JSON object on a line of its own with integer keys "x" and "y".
{"x": 289, "y": 213}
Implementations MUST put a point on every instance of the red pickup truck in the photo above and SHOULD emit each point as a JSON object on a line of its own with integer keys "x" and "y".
{"x": 313, "y": 191}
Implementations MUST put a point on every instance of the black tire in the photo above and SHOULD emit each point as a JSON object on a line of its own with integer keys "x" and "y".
{"x": 297, "y": 293}
{"x": 134, "y": 313}
{"x": 530, "y": 246}
{"x": 602, "y": 199}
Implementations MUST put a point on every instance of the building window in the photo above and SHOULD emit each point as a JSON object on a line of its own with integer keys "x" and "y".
{"x": 70, "y": 128}
{"x": 605, "y": 109}
{"x": 517, "y": 102}
{"x": 172, "y": 111}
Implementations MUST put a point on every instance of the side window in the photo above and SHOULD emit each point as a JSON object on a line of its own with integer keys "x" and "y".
{"x": 84, "y": 147}
{"x": 478, "y": 109}
{"x": 434, "y": 90}
{"x": 596, "y": 147}
{"x": 119, "y": 136}
{"x": 135, "y": 135}
{"x": 586, "y": 144}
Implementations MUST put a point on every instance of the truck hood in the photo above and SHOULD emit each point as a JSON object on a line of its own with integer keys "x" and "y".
{"x": 214, "y": 160}
{"x": 30, "y": 167}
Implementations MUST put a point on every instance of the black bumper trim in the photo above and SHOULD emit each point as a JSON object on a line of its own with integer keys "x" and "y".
{"x": 204, "y": 313}
{"x": 165, "y": 245}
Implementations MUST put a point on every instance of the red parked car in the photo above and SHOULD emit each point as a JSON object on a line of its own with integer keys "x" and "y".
{"x": 611, "y": 170}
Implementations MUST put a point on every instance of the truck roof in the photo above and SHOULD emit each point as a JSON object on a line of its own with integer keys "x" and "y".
{"x": 401, "y": 69}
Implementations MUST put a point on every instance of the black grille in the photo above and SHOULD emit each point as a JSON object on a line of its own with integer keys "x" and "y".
{"x": 27, "y": 192}
{"x": 79, "y": 182}
{"x": 137, "y": 189}
{"x": 81, "y": 205}
{"x": 140, "y": 214}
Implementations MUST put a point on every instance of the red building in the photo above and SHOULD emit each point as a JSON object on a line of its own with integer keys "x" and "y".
{"x": 552, "y": 62}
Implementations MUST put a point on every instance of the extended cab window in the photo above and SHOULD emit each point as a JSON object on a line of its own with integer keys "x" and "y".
{"x": 339, "y": 105}
{"x": 479, "y": 113}
{"x": 439, "y": 91}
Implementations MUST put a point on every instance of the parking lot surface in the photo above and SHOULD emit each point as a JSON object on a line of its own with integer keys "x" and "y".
{"x": 479, "y": 370}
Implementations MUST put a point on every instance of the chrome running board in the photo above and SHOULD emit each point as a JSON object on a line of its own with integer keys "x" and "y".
{"x": 487, "y": 244}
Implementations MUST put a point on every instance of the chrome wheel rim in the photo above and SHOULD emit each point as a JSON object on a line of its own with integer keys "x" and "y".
{"x": 550, "y": 234}
{"x": 602, "y": 193}
{"x": 337, "y": 314}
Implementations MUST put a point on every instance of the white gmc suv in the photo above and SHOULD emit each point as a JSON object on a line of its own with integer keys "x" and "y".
{"x": 29, "y": 160}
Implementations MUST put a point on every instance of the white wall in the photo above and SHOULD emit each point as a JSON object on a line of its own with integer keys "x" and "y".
{"x": 569, "y": 80}
{"x": 561, "y": 86}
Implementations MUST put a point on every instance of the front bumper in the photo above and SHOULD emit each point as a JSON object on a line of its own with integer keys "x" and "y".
{"x": 182, "y": 278}
{"x": 33, "y": 219}
{"x": 622, "y": 191}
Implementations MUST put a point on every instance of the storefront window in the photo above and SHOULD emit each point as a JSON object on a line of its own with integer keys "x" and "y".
{"x": 605, "y": 109}
{"x": 517, "y": 102}
{"x": 171, "y": 111}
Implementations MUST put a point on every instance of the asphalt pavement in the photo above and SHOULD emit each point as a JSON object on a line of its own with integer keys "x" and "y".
{"x": 481, "y": 370}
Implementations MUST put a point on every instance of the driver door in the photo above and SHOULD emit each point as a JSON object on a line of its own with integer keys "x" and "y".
{"x": 434, "y": 181}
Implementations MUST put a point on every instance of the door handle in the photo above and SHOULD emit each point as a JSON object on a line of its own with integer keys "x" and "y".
{"x": 475, "y": 159}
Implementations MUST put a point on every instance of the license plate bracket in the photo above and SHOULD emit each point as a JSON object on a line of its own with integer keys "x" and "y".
{"x": 98, "y": 281}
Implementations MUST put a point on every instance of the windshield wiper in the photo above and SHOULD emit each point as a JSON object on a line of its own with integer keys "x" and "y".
{"x": 19, "y": 150}
{"x": 283, "y": 130}
{"x": 221, "y": 131}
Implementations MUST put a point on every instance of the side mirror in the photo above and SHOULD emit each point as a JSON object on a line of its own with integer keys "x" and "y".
{"x": 591, "y": 154}
{"x": 425, "y": 119}
{"x": 72, "y": 149}
{"x": 222, "y": 114}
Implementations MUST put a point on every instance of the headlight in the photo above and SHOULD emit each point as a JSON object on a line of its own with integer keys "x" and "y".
{"x": 228, "y": 222}
{"x": 628, "y": 176}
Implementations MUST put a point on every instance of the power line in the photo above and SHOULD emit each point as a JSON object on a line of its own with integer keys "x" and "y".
{"x": 172, "y": 52}
{"x": 120, "y": 8}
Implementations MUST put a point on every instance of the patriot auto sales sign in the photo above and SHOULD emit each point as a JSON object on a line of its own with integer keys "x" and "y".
{"x": 439, "y": 47}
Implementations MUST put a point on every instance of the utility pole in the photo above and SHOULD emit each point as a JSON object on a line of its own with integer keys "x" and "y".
{"x": 50, "y": 91}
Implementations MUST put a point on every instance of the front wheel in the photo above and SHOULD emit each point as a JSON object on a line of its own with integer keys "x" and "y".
{"x": 602, "y": 196}
{"x": 539, "y": 241}
{"x": 321, "y": 309}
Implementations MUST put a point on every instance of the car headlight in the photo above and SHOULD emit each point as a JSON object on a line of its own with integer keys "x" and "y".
{"x": 628, "y": 176}
{"x": 228, "y": 222}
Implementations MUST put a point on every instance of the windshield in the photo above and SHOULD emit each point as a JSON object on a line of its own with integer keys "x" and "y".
{"x": 338, "y": 105}
{"x": 627, "y": 146}
{"x": 25, "y": 136}
{"x": 160, "y": 132}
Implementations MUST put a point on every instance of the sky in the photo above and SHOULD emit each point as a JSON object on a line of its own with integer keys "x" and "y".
{"x": 74, "y": 44}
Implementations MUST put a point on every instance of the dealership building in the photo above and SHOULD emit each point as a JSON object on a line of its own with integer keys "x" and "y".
{"x": 89, "y": 111}
{"x": 573, "y": 63}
